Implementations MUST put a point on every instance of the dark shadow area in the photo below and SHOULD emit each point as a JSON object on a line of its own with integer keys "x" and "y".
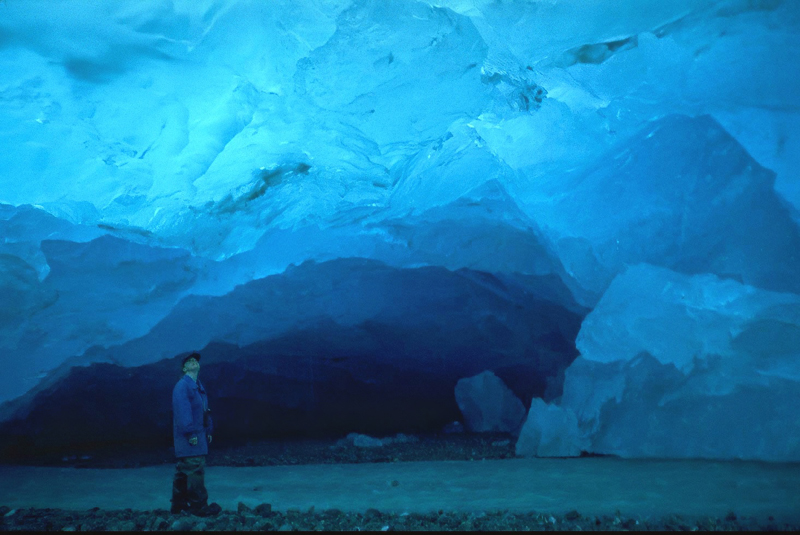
{"x": 313, "y": 372}
{"x": 262, "y": 391}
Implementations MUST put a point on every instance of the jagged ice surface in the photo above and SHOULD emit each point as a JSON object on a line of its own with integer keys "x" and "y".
{"x": 161, "y": 160}
{"x": 688, "y": 366}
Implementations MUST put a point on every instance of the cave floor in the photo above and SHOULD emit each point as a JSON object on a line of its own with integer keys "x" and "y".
{"x": 592, "y": 486}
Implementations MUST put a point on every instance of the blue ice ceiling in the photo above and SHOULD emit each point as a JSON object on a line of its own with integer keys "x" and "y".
{"x": 623, "y": 174}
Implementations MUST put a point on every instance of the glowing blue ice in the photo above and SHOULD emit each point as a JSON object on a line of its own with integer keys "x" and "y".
{"x": 159, "y": 157}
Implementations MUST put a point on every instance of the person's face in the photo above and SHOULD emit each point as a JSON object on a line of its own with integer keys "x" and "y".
{"x": 191, "y": 365}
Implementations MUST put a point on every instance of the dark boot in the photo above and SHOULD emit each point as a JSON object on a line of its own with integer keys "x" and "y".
{"x": 179, "y": 492}
{"x": 196, "y": 494}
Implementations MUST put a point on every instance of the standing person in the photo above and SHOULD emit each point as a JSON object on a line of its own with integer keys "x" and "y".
{"x": 191, "y": 431}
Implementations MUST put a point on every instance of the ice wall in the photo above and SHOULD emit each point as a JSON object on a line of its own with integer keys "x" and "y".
{"x": 688, "y": 366}
{"x": 157, "y": 154}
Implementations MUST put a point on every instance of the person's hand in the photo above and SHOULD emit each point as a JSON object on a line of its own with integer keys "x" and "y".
{"x": 193, "y": 441}
{"x": 209, "y": 438}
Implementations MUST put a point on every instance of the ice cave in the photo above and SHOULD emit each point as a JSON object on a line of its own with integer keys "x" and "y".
{"x": 573, "y": 221}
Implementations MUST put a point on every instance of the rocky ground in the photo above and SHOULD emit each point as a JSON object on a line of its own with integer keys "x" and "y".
{"x": 361, "y": 449}
{"x": 354, "y": 449}
{"x": 262, "y": 518}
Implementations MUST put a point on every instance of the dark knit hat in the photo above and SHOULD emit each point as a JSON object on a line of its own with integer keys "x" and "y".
{"x": 194, "y": 355}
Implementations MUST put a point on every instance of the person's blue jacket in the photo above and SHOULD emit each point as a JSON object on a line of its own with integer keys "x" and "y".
{"x": 189, "y": 402}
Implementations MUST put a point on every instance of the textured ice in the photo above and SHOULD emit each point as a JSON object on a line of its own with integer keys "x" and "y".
{"x": 683, "y": 194}
{"x": 488, "y": 405}
{"x": 23, "y": 229}
{"x": 82, "y": 303}
{"x": 549, "y": 431}
{"x": 688, "y": 366}
{"x": 425, "y": 307}
{"x": 162, "y": 160}
{"x": 113, "y": 289}
{"x": 156, "y": 114}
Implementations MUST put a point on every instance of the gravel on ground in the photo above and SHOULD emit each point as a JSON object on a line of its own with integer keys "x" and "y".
{"x": 263, "y": 518}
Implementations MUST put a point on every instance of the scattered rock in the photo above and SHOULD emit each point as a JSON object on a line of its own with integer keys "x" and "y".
{"x": 264, "y": 509}
{"x": 182, "y": 524}
{"x": 401, "y": 438}
{"x": 213, "y": 509}
{"x": 364, "y": 441}
{"x": 261, "y": 525}
{"x": 372, "y": 514}
{"x": 372, "y": 520}
{"x": 630, "y": 523}
{"x": 159, "y": 524}
{"x": 243, "y": 508}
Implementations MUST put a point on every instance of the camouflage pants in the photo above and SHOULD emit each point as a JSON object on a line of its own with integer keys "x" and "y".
{"x": 188, "y": 485}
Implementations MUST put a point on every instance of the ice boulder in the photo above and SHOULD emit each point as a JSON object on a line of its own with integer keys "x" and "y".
{"x": 365, "y": 441}
{"x": 488, "y": 404}
{"x": 549, "y": 431}
{"x": 684, "y": 366}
